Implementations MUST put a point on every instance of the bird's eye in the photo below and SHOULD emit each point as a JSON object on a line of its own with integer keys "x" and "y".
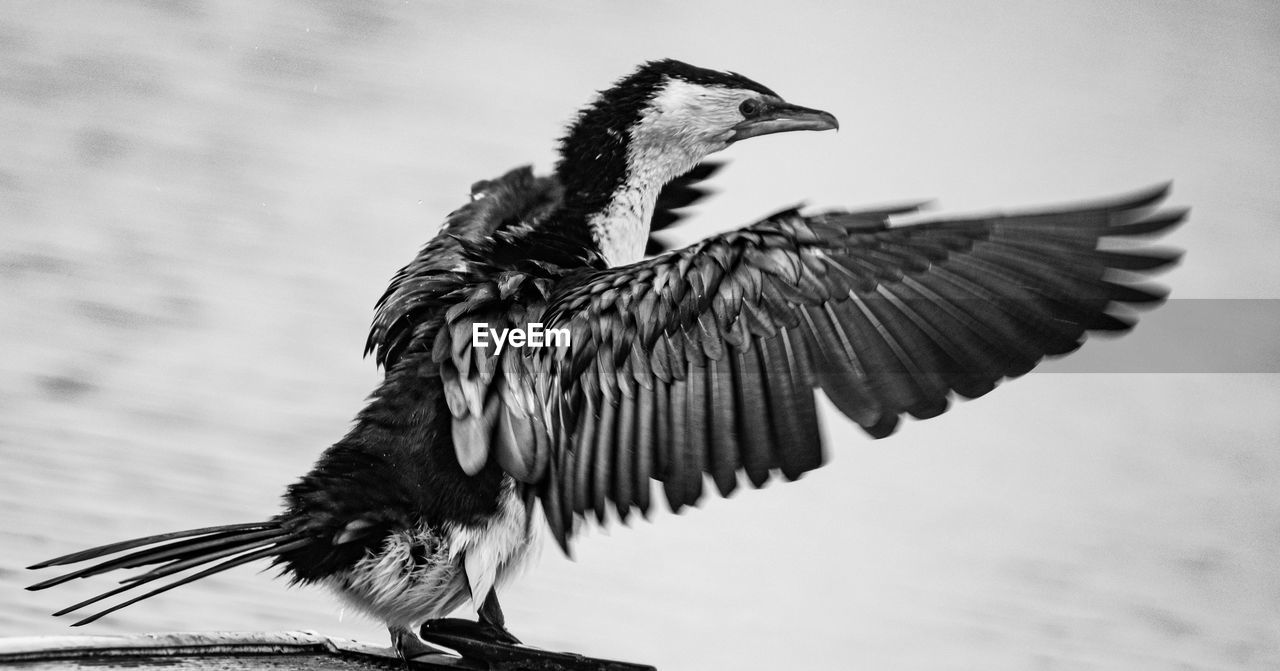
{"x": 749, "y": 107}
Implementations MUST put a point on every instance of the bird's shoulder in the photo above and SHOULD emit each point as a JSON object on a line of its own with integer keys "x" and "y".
{"x": 514, "y": 226}
{"x": 458, "y": 257}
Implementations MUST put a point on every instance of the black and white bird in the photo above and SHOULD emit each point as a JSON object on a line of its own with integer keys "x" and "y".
{"x": 694, "y": 362}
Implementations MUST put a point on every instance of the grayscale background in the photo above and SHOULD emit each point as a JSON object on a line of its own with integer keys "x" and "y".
{"x": 200, "y": 203}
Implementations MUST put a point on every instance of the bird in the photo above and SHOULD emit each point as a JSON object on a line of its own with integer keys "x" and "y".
{"x": 681, "y": 372}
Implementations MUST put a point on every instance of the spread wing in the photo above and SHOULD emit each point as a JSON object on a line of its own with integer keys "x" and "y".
{"x": 704, "y": 360}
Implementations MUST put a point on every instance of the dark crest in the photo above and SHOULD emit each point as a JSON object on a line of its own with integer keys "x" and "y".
{"x": 704, "y": 77}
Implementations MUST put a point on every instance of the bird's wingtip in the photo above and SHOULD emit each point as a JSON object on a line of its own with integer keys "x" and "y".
{"x": 1145, "y": 197}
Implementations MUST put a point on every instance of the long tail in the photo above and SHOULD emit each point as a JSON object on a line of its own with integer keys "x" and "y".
{"x": 235, "y": 544}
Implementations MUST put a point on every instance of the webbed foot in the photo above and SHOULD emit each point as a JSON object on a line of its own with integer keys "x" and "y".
{"x": 478, "y": 641}
{"x": 481, "y": 631}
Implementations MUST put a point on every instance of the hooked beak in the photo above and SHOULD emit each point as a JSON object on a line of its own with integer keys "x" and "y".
{"x": 779, "y": 117}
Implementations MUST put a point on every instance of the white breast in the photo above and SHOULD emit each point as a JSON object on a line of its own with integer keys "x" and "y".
{"x": 394, "y": 588}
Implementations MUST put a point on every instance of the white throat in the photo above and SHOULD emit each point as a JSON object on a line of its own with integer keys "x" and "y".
{"x": 675, "y": 132}
{"x": 621, "y": 231}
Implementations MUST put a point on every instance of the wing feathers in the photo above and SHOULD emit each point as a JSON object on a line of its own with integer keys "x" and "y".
{"x": 682, "y": 479}
{"x": 623, "y": 477}
{"x": 646, "y": 446}
{"x": 722, "y": 433}
{"x": 841, "y": 371}
{"x": 602, "y": 470}
{"x": 794, "y": 449}
{"x": 754, "y": 416}
{"x": 704, "y": 361}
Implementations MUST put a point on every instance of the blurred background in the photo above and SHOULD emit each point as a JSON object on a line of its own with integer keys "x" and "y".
{"x": 200, "y": 203}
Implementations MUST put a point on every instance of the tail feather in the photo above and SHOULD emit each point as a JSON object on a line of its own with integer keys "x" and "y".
{"x": 121, "y": 546}
{"x": 184, "y": 549}
{"x": 216, "y": 568}
{"x": 202, "y": 557}
{"x": 233, "y": 544}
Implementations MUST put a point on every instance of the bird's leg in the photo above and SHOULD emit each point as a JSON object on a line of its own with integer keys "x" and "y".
{"x": 491, "y": 616}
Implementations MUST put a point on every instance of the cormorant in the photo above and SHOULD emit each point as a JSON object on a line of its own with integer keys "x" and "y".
{"x": 697, "y": 361}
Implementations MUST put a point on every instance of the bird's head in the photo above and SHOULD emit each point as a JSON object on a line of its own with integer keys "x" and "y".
{"x": 649, "y": 128}
{"x": 667, "y": 116}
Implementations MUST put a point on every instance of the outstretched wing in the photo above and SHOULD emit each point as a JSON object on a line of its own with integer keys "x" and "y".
{"x": 704, "y": 360}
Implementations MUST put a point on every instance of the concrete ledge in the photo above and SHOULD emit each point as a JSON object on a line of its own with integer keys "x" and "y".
{"x": 311, "y": 650}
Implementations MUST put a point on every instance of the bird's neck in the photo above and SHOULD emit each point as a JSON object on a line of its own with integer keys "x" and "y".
{"x": 611, "y": 188}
